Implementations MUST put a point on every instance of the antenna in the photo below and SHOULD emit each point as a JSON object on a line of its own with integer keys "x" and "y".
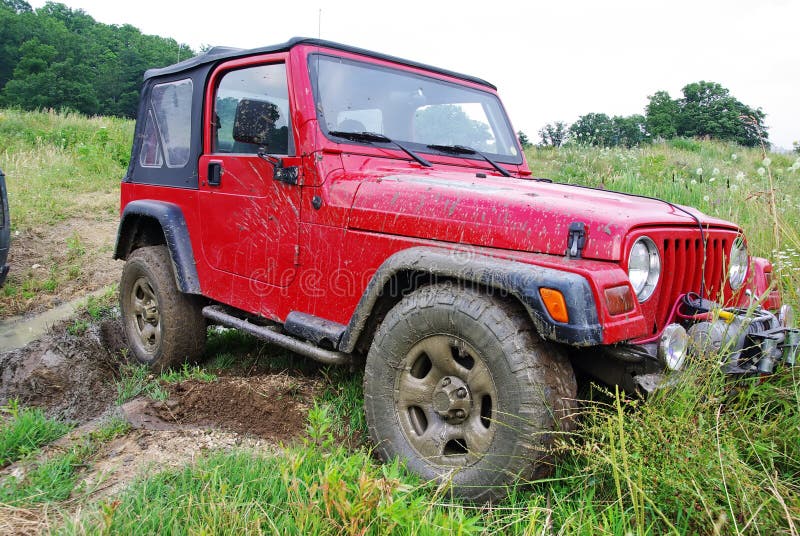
{"x": 319, "y": 24}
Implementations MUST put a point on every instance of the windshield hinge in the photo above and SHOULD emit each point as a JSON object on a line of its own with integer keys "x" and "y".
{"x": 576, "y": 239}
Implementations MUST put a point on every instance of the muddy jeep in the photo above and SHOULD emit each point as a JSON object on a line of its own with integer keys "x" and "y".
{"x": 361, "y": 209}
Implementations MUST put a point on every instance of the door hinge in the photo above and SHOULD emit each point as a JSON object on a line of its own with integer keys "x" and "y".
{"x": 297, "y": 254}
{"x": 576, "y": 239}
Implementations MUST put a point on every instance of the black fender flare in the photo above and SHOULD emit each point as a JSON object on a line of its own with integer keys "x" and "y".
{"x": 176, "y": 235}
{"x": 517, "y": 279}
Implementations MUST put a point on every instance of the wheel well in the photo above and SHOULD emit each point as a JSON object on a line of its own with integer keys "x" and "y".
{"x": 405, "y": 282}
{"x": 139, "y": 231}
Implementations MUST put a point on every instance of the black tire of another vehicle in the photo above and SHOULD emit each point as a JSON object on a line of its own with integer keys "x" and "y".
{"x": 163, "y": 326}
{"x": 459, "y": 385}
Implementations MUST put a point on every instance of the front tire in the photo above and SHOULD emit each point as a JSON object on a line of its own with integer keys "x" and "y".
{"x": 164, "y": 326}
{"x": 459, "y": 385}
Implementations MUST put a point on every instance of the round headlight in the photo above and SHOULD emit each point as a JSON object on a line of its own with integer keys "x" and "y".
{"x": 644, "y": 267}
{"x": 738, "y": 260}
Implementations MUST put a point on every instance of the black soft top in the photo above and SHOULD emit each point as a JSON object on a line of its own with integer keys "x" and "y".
{"x": 223, "y": 53}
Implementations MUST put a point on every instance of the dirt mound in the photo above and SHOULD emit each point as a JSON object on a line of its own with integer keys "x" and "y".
{"x": 273, "y": 407}
{"x": 70, "y": 376}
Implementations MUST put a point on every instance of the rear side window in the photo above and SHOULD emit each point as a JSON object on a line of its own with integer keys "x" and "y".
{"x": 168, "y": 130}
{"x": 150, "y": 154}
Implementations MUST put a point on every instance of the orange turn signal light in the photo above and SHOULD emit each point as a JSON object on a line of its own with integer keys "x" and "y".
{"x": 555, "y": 304}
{"x": 619, "y": 300}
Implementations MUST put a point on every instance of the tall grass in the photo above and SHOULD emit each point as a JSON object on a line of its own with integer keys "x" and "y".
{"x": 60, "y": 165}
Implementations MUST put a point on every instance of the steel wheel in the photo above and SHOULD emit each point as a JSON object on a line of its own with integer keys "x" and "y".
{"x": 458, "y": 385}
{"x": 147, "y": 318}
{"x": 444, "y": 401}
{"x": 164, "y": 327}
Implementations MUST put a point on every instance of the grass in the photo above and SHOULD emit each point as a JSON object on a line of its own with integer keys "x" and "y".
{"x": 706, "y": 457}
{"x": 54, "y": 478}
{"x": 62, "y": 165}
{"x": 136, "y": 380}
{"x": 24, "y": 430}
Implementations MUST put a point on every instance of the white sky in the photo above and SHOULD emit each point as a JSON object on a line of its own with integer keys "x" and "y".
{"x": 553, "y": 60}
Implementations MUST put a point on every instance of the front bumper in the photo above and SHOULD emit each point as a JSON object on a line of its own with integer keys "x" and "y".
{"x": 747, "y": 342}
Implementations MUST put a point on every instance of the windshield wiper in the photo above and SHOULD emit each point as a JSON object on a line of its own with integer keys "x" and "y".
{"x": 462, "y": 149}
{"x": 374, "y": 137}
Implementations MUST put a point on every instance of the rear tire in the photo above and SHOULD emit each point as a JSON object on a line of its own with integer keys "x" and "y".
{"x": 459, "y": 385}
{"x": 163, "y": 326}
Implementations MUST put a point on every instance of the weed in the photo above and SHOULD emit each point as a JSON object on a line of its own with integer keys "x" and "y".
{"x": 187, "y": 372}
{"x": 78, "y": 327}
{"x": 344, "y": 396}
{"x": 102, "y": 306}
{"x": 137, "y": 380}
{"x": 75, "y": 247}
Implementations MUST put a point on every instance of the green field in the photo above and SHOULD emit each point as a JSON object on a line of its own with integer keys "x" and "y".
{"x": 704, "y": 457}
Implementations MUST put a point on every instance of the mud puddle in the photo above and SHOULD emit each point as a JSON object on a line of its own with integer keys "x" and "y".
{"x": 18, "y": 331}
{"x": 70, "y": 376}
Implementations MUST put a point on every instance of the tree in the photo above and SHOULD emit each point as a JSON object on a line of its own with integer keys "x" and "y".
{"x": 58, "y": 57}
{"x": 662, "y": 115}
{"x": 17, "y": 6}
{"x": 523, "y": 139}
{"x": 629, "y": 131}
{"x": 593, "y": 129}
{"x": 708, "y": 109}
{"x": 554, "y": 134}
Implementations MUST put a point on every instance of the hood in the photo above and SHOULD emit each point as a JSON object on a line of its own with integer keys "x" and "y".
{"x": 513, "y": 214}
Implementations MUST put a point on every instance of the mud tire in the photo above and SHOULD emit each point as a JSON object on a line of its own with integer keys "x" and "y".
{"x": 534, "y": 390}
{"x": 167, "y": 327}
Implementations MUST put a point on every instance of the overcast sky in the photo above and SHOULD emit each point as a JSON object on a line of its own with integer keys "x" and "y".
{"x": 551, "y": 61}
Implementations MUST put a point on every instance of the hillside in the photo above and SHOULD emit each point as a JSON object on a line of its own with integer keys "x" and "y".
{"x": 268, "y": 443}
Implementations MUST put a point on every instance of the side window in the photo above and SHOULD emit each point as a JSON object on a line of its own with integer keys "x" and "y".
{"x": 251, "y": 110}
{"x": 150, "y": 153}
{"x": 172, "y": 110}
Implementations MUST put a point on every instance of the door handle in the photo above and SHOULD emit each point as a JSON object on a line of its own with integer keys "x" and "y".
{"x": 214, "y": 173}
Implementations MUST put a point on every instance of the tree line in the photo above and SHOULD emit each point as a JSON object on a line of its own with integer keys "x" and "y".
{"x": 705, "y": 110}
{"x": 57, "y": 57}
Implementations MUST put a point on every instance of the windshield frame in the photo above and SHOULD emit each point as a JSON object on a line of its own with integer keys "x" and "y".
{"x": 502, "y": 121}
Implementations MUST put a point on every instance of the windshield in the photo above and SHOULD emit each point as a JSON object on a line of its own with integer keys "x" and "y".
{"x": 354, "y": 96}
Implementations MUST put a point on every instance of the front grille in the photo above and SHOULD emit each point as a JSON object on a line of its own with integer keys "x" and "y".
{"x": 682, "y": 269}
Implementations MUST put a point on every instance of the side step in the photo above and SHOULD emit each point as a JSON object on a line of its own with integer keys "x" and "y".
{"x": 270, "y": 334}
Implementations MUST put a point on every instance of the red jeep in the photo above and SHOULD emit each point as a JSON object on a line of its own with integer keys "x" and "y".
{"x": 345, "y": 204}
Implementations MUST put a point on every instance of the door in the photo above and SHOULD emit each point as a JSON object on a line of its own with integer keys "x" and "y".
{"x": 249, "y": 219}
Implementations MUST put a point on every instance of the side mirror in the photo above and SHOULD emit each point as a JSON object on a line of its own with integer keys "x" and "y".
{"x": 255, "y": 122}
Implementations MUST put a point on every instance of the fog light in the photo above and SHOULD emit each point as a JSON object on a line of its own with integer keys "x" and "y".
{"x": 672, "y": 346}
{"x": 786, "y": 316}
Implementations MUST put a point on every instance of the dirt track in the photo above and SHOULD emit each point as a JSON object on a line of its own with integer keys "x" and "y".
{"x": 74, "y": 377}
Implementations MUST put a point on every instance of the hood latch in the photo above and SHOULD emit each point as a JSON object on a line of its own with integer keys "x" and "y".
{"x": 576, "y": 239}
